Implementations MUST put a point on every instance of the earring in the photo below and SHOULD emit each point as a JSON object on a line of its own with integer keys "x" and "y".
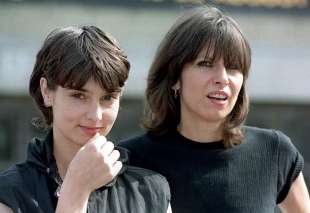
{"x": 176, "y": 93}
{"x": 47, "y": 102}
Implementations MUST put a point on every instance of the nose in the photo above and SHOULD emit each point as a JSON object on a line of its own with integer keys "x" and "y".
{"x": 221, "y": 77}
{"x": 94, "y": 112}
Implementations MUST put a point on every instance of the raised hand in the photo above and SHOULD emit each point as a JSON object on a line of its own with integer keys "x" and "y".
{"x": 94, "y": 165}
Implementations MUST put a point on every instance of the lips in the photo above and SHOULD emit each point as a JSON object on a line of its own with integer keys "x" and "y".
{"x": 91, "y": 131}
{"x": 218, "y": 95}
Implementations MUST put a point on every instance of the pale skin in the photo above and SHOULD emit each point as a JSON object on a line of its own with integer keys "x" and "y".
{"x": 208, "y": 92}
{"x": 85, "y": 159}
{"x": 5, "y": 209}
{"x": 297, "y": 199}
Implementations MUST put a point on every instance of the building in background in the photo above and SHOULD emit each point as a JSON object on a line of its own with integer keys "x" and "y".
{"x": 279, "y": 84}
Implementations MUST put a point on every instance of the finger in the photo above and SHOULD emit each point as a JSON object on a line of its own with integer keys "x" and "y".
{"x": 114, "y": 156}
{"x": 98, "y": 141}
{"x": 117, "y": 168}
{"x": 107, "y": 148}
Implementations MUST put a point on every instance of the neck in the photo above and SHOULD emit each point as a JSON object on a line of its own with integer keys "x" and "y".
{"x": 201, "y": 132}
{"x": 63, "y": 153}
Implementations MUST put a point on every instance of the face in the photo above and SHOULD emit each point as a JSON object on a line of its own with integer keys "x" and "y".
{"x": 78, "y": 115}
{"x": 208, "y": 91}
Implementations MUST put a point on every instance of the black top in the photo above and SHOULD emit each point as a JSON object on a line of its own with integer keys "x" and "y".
{"x": 33, "y": 186}
{"x": 205, "y": 177}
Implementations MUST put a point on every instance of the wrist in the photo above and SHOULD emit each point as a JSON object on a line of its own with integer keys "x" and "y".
{"x": 72, "y": 198}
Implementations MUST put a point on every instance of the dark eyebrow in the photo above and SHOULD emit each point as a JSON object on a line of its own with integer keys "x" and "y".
{"x": 206, "y": 59}
{"x": 78, "y": 89}
{"x": 203, "y": 59}
{"x": 117, "y": 90}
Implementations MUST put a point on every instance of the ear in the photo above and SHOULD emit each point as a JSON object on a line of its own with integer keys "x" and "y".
{"x": 46, "y": 93}
{"x": 121, "y": 92}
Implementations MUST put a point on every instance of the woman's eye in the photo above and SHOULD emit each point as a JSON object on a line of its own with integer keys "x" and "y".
{"x": 109, "y": 97}
{"x": 233, "y": 69}
{"x": 79, "y": 96}
{"x": 205, "y": 64}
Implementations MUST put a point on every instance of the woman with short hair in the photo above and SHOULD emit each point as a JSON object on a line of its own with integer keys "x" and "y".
{"x": 77, "y": 82}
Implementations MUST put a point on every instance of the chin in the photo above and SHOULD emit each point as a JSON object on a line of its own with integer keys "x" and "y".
{"x": 216, "y": 117}
{"x": 82, "y": 139}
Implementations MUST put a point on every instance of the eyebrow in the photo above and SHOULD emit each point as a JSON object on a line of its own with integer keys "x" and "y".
{"x": 206, "y": 59}
{"x": 105, "y": 91}
{"x": 80, "y": 89}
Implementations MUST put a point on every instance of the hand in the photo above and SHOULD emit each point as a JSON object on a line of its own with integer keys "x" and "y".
{"x": 93, "y": 166}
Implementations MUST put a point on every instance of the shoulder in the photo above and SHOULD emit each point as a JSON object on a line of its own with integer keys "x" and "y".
{"x": 147, "y": 176}
{"x": 145, "y": 189}
{"x": 262, "y": 135}
{"x": 10, "y": 186}
{"x": 10, "y": 177}
{"x": 148, "y": 181}
{"x": 17, "y": 176}
{"x": 277, "y": 143}
{"x": 18, "y": 179}
{"x": 268, "y": 135}
{"x": 272, "y": 142}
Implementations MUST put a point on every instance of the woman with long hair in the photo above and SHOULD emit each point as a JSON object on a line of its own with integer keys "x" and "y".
{"x": 196, "y": 105}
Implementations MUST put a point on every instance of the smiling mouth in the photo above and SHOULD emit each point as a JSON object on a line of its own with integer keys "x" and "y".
{"x": 87, "y": 127}
{"x": 91, "y": 130}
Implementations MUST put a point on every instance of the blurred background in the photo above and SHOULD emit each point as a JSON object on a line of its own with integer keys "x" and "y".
{"x": 279, "y": 84}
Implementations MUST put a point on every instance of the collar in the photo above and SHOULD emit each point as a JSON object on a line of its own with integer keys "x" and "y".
{"x": 40, "y": 155}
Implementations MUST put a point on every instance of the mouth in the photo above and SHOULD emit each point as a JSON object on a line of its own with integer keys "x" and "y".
{"x": 218, "y": 96}
{"x": 91, "y": 131}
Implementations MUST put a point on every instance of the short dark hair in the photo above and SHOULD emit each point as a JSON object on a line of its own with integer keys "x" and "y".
{"x": 203, "y": 27}
{"x": 72, "y": 55}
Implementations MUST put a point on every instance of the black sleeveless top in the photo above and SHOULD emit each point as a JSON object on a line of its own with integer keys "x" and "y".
{"x": 33, "y": 186}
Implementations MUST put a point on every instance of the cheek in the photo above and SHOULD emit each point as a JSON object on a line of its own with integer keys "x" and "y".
{"x": 70, "y": 113}
{"x": 191, "y": 83}
{"x": 237, "y": 83}
{"x": 111, "y": 114}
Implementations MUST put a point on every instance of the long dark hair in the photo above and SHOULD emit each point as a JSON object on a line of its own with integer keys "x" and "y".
{"x": 71, "y": 56}
{"x": 203, "y": 27}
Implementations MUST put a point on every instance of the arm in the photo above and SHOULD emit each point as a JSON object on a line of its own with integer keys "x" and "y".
{"x": 297, "y": 200}
{"x": 5, "y": 209}
{"x": 169, "y": 209}
{"x": 72, "y": 198}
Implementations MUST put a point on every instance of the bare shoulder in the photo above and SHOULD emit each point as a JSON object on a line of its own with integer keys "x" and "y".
{"x": 5, "y": 209}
